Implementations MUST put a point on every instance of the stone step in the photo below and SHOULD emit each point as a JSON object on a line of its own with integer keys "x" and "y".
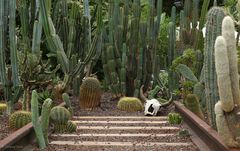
{"x": 121, "y": 123}
{"x": 94, "y": 143}
{"x": 119, "y": 137}
{"x": 119, "y": 118}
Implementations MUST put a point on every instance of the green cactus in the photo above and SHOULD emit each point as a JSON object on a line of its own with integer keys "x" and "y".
{"x": 3, "y": 108}
{"x": 67, "y": 102}
{"x": 19, "y": 119}
{"x": 90, "y": 93}
{"x": 192, "y": 103}
{"x": 153, "y": 92}
{"x": 71, "y": 127}
{"x": 213, "y": 29}
{"x": 174, "y": 118}
{"x": 130, "y": 104}
{"x": 59, "y": 115}
{"x": 40, "y": 127}
{"x": 227, "y": 109}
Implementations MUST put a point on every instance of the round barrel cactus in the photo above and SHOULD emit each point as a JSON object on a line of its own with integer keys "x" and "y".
{"x": 3, "y": 107}
{"x": 19, "y": 119}
{"x": 60, "y": 115}
{"x": 71, "y": 127}
{"x": 90, "y": 93}
{"x": 130, "y": 104}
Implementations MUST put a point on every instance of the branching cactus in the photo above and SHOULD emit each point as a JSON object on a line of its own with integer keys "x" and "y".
{"x": 40, "y": 126}
{"x": 227, "y": 108}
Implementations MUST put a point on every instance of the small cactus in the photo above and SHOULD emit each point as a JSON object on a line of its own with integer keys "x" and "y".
{"x": 67, "y": 101}
{"x": 59, "y": 115}
{"x": 71, "y": 127}
{"x": 90, "y": 93}
{"x": 174, "y": 118}
{"x": 192, "y": 103}
{"x": 130, "y": 104}
{"x": 19, "y": 119}
{"x": 3, "y": 108}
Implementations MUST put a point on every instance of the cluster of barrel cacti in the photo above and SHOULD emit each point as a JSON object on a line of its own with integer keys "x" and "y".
{"x": 227, "y": 109}
{"x": 130, "y": 104}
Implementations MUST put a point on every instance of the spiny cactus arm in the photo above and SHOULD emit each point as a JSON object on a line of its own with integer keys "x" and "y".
{"x": 46, "y": 108}
{"x": 35, "y": 120}
{"x": 223, "y": 78}
{"x": 53, "y": 39}
{"x": 228, "y": 32}
{"x": 154, "y": 92}
{"x": 186, "y": 72}
{"x": 13, "y": 43}
{"x": 203, "y": 13}
{"x": 66, "y": 100}
{"x": 166, "y": 102}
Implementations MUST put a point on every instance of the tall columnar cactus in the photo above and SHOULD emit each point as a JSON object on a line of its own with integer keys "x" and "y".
{"x": 90, "y": 93}
{"x": 138, "y": 53}
{"x": 227, "y": 109}
{"x": 213, "y": 29}
{"x": 19, "y": 119}
{"x": 40, "y": 125}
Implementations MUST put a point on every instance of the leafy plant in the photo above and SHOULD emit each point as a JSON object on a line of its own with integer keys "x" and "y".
{"x": 174, "y": 118}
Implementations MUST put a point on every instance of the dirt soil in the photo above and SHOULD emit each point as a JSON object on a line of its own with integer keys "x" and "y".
{"x": 4, "y": 126}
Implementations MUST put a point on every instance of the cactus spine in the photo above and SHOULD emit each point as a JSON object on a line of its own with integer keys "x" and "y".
{"x": 213, "y": 29}
{"x": 40, "y": 126}
{"x": 227, "y": 108}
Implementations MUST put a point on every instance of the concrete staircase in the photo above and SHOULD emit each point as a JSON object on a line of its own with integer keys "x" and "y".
{"x": 122, "y": 133}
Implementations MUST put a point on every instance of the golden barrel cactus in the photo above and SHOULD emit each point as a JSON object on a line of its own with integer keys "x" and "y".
{"x": 90, "y": 93}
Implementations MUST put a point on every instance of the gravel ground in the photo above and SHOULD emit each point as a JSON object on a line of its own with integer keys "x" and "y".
{"x": 4, "y": 127}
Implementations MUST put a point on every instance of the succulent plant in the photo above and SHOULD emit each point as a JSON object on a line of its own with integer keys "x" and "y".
{"x": 130, "y": 104}
{"x": 90, "y": 93}
{"x": 19, "y": 119}
{"x": 3, "y": 108}
{"x": 60, "y": 115}
{"x": 67, "y": 101}
{"x": 192, "y": 103}
{"x": 227, "y": 109}
{"x": 174, "y": 118}
{"x": 71, "y": 127}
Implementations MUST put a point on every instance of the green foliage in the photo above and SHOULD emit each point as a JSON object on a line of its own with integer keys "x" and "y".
{"x": 3, "y": 108}
{"x": 71, "y": 127}
{"x": 188, "y": 58}
{"x": 19, "y": 119}
{"x": 60, "y": 115}
{"x": 163, "y": 41}
{"x": 174, "y": 118}
{"x": 186, "y": 72}
{"x": 130, "y": 104}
